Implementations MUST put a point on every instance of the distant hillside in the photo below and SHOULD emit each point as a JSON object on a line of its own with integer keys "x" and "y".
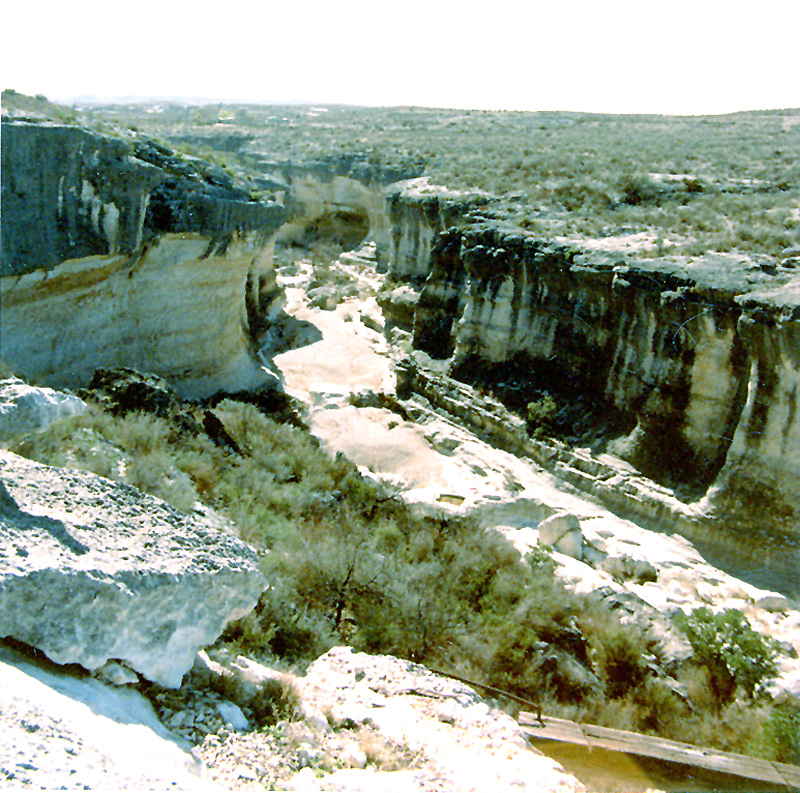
{"x": 39, "y": 106}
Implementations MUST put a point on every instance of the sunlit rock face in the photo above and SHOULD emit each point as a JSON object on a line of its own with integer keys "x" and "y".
{"x": 692, "y": 363}
{"x": 117, "y": 252}
{"x": 340, "y": 196}
{"x": 417, "y": 212}
{"x": 93, "y": 570}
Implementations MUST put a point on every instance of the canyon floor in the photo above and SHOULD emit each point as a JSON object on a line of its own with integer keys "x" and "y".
{"x": 439, "y": 463}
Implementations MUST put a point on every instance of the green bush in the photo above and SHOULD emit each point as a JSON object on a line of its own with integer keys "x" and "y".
{"x": 540, "y": 558}
{"x": 735, "y": 656}
{"x": 541, "y": 415}
{"x": 780, "y": 738}
{"x": 620, "y": 660}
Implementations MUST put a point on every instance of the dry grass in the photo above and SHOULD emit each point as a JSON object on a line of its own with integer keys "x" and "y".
{"x": 699, "y": 183}
{"x": 348, "y": 561}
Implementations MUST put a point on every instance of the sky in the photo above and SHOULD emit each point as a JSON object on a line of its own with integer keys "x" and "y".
{"x": 607, "y": 56}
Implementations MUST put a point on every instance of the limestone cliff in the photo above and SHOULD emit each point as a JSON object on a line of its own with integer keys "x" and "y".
{"x": 341, "y": 194}
{"x": 691, "y": 366}
{"x": 417, "y": 212}
{"x": 117, "y": 252}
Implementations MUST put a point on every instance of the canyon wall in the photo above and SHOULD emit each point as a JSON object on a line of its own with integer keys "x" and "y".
{"x": 689, "y": 367}
{"x": 416, "y": 213}
{"x": 341, "y": 195}
{"x": 118, "y": 252}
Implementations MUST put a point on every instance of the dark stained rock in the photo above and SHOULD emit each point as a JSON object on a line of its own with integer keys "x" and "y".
{"x": 69, "y": 192}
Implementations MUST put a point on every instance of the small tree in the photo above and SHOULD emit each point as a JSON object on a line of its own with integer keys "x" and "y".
{"x": 734, "y": 655}
{"x": 541, "y": 416}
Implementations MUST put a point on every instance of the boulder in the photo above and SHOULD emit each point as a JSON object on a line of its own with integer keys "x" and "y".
{"x": 456, "y": 737}
{"x": 563, "y": 532}
{"x": 399, "y": 305}
{"x": 25, "y": 408}
{"x": 92, "y": 570}
{"x": 626, "y": 568}
{"x": 324, "y": 297}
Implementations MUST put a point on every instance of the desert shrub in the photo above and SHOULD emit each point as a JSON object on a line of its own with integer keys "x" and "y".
{"x": 585, "y": 194}
{"x": 540, "y": 559}
{"x": 734, "y": 655}
{"x": 276, "y": 699}
{"x": 659, "y": 711}
{"x": 541, "y": 415}
{"x": 155, "y": 473}
{"x": 639, "y": 189}
{"x": 780, "y": 736}
{"x": 730, "y": 728}
{"x": 621, "y": 659}
{"x": 141, "y": 433}
{"x": 280, "y": 627}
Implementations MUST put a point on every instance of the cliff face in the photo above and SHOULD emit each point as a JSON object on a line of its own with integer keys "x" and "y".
{"x": 119, "y": 252}
{"x": 416, "y": 213}
{"x": 346, "y": 192}
{"x": 692, "y": 367}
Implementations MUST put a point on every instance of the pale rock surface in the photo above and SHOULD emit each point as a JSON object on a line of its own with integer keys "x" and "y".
{"x": 232, "y": 716}
{"x": 563, "y": 530}
{"x": 469, "y": 745}
{"x": 105, "y": 312}
{"x": 62, "y": 731}
{"x": 25, "y": 408}
{"x": 91, "y": 570}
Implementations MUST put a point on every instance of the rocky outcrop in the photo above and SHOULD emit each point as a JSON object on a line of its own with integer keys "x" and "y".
{"x": 417, "y": 212}
{"x": 337, "y": 196}
{"x": 691, "y": 365}
{"x": 117, "y": 252}
{"x": 91, "y": 570}
{"x": 64, "y": 730}
{"x": 463, "y": 742}
{"x": 25, "y": 408}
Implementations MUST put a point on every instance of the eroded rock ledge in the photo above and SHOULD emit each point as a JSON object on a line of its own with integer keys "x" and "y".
{"x": 691, "y": 367}
{"x": 120, "y": 252}
{"x": 341, "y": 196}
{"x": 92, "y": 570}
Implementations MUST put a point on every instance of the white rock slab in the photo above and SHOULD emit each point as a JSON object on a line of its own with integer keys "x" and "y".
{"x": 25, "y": 408}
{"x": 471, "y": 746}
{"x": 64, "y": 732}
{"x": 91, "y": 570}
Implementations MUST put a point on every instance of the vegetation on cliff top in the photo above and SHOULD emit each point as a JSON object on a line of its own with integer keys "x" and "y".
{"x": 690, "y": 184}
{"x": 682, "y": 184}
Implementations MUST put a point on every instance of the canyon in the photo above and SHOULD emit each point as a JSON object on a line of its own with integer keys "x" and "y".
{"x": 416, "y": 347}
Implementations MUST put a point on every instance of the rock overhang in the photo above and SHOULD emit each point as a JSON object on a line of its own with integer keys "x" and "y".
{"x": 70, "y": 192}
{"x": 92, "y": 570}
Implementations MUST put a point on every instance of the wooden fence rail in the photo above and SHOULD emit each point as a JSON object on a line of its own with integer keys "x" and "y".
{"x": 591, "y": 736}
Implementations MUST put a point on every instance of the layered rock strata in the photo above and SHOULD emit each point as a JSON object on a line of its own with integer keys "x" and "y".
{"x": 417, "y": 212}
{"x": 341, "y": 194}
{"x": 693, "y": 365}
{"x": 92, "y": 570}
{"x": 117, "y": 252}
